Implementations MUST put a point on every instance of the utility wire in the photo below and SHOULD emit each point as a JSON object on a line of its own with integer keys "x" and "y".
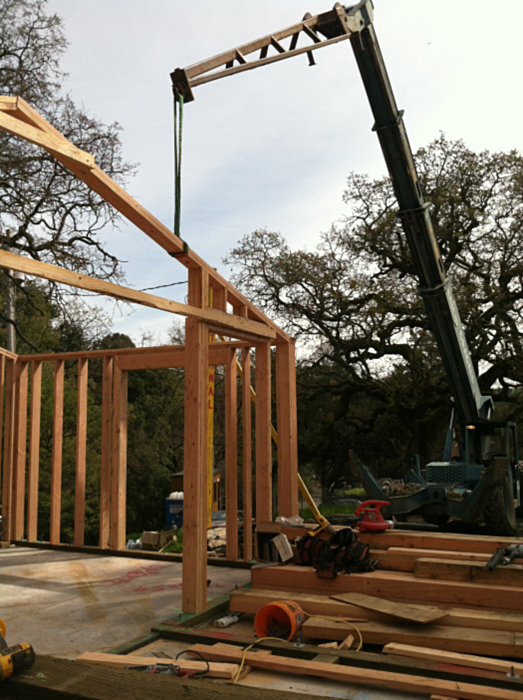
{"x": 162, "y": 286}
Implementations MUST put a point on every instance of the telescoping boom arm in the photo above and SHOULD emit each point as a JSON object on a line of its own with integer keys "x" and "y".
{"x": 356, "y": 23}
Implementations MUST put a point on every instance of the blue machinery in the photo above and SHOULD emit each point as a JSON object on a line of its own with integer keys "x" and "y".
{"x": 479, "y": 473}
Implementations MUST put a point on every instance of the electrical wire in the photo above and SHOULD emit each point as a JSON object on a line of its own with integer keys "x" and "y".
{"x": 307, "y": 615}
{"x": 193, "y": 651}
{"x": 262, "y": 639}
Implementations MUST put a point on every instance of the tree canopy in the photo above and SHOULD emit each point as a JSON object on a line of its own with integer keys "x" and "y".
{"x": 353, "y": 304}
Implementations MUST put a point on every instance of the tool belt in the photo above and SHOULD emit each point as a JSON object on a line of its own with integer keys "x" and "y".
{"x": 342, "y": 553}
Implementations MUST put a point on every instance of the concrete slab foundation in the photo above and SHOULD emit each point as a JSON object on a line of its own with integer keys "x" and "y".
{"x": 67, "y": 603}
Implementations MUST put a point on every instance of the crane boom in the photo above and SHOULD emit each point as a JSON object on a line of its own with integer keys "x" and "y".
{"x": 435, "y": 286}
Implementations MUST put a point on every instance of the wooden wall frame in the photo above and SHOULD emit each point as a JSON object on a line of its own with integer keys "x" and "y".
{"x": 247, "y": 329}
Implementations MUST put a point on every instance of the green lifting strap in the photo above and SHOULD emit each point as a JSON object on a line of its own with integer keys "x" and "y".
{"x": 178, "y": 124}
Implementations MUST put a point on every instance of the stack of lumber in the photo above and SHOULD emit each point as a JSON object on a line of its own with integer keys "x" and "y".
{"x": 434, "y": 687}
{"x": 429, "y": 568}
{"x": 431, "y": 597}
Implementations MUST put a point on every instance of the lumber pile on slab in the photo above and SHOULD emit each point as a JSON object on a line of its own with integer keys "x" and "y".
{"x": 431, "y": 598}
{"x": 360, "y": 676}
{"x": 227, "y": 671}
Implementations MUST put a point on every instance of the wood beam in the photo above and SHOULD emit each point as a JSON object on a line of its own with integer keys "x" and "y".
{"x": 105, "y": 476}
{"x": 194, "y": 588}
{"x": 223, "y": 322}
{"x": 56, "y": 460}
{"x": 51, "y": 143}
{"x": 349, "y": 674}
{"x": 34, "y": 451}
{"x": 20, "y": 453}
{"x": 158, "y": 350}
{"x": 7, "y": 475}
{"x": 3, "y": 361}
{"x": 81, "y": 452}
{"x": 263, "y": 432}
{"x": 247, "y": 454}
{"x": 226, "y": 323}
{"x": 287, "y": 437}
{"x": 119, "y": 458}
{"x": 231, "y": 457}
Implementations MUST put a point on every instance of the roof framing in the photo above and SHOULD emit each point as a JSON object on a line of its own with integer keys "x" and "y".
{"x": 21, "y": 120}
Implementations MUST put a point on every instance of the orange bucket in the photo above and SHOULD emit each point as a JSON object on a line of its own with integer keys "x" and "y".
{"x": 283, "y": 620}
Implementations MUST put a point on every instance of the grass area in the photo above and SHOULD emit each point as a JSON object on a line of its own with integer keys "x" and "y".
{"x": 329, "y": 511}
{"x": 357, "y": 493}
{"x": 172, "y": 548}
{"x": 175, "y": 547}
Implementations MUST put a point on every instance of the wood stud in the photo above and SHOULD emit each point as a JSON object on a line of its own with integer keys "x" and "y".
{"x": 247, "y": 454}
{"x": 194, "y": 590}
{"x": 34, "y": 451}
{"x": 263, "y": 432}
{"x": 56, "y": 464}
{"x": 81, "y": 453}
{"x": 231, "y": 457}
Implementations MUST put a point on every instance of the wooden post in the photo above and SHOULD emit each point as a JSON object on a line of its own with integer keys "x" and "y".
{"x": 56, "y": 466}
{"x": 287, "y": 452}
{"x": 7, "y": 476}
{"x": 247, "y": 454}
{"x": 34, "y": 451}
{"x": 119, "y": 461}
{"x": 20, "y": 453}
{"x": 105, "y": 477}
{"x": 263, "y": 433}
{"x": 81, "y": 451}
{"x": 2, "y": 393}
{"x": 231, "y": 457}
{"x": 194, "y": 591}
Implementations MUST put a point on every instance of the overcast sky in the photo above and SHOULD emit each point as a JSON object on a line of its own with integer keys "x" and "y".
{"x": 273, "y": 147}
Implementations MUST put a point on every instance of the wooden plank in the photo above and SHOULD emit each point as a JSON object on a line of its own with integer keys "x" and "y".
{"x": 34, "y": 451}
{"x": 399, "y": 559}
{"x": 216, "y": 670}
{"x": 3, "y": 360}
{"x": 105, "y": 474}
{"x": 119, "y": 458}
{"x": 247, "y": 453}
{"x": 194, "y": 575}
{"x": 263, "y": 432}
{"x": 81, "y": 453}
{"x": 393, "y": 586}
{"x": 250, "y": 601}
{"x": 474, "y": 571}
{"x": 483, "y": 544}
{"x": 231, "y": 457}
{"x": 347, "y": 642}
{"x": 468, "y": 660}
{"x": 51, "y": 143}
{"x": 56, "y": 460}
{"x": 405, "y": 611}
{"x": 7, "y": 462}
{"x": 465, "y": 641}
{"x": 363, "y": 676}
{"x": 225, "y": 322}
{"x": 20, "y": 442}
{"x": 139, "y": 352}
{"x": 286, "y": 417}
{"x": 8, "y": 355}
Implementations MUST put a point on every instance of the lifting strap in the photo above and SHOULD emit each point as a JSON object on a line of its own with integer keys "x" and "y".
{"x": 178, "y": 124}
